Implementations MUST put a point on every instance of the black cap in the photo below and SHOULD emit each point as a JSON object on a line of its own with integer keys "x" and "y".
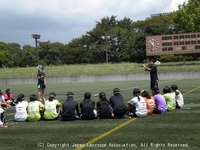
{"x": 70, "y": 94}
{"x": 116, "y": 90}
{"x": 8, "y": 90}
{"x": 52, "y": 96}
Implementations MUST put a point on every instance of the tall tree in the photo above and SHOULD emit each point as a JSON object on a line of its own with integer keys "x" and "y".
{"x": 186, "y": 18}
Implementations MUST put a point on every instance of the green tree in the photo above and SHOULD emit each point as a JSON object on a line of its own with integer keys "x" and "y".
{"x": 50, "y": 53}
{"x": 187, "y": 18}
{"x": 5, "y": 55}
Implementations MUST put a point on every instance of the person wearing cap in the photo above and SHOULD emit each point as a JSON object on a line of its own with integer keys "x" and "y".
{"x": 160, "y": 103}
{"x": 9, "y": 97}
{"x": 35, "y": 109}
{"x": 153, "y": 74}
{"x": 52, "y": 108}
{"x": 137, "y": 105}
{"x": 20, "y": 108}
{"x": 2, "y": 101}
{"x": 70, "y": 108}
{"x": 87, "y": 106}
{"x": 41, "y": 85}
{"x": 118, "y": 106}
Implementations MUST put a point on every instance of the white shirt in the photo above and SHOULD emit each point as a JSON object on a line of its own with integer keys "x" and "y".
{"x": 140, "y": 106}
{"x": 179, "y": 98}
{"x": 1, "y": 111}
{"x": 20, "y": 111}
{"x": 2, "y": 98}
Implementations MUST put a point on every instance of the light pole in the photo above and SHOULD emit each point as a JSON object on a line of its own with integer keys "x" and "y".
{"x": 36, "y": 37}
{"x": 106, "y": 37}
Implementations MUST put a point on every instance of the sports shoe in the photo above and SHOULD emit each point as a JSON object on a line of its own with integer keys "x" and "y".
{"x": 126, "y": 116}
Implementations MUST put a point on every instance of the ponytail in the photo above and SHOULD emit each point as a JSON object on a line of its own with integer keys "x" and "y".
{"x": 138, "y": 96}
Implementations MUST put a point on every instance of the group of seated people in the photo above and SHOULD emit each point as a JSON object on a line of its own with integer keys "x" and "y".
{"x": 141, "y": 105}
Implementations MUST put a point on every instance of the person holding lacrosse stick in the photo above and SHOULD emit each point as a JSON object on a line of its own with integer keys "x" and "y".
{"x": 151, "y": 67}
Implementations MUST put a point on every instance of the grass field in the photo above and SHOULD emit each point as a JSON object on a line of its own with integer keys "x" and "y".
{"x": 179, "y": 129}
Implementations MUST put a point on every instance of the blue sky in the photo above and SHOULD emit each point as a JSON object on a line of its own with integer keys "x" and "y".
{"x": 63, "y": 20}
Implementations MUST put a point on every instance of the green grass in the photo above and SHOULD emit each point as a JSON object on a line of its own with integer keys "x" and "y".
{"x": 96, "y": 69}
{"x": 177, "y": 127}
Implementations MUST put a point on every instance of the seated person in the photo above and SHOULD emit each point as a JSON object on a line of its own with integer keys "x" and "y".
{"x": 52, "y": 107}
{"x": 87, "y": 107}
{"x": 103, "y": 107}
{"x": 169, "y": 98}
{"x": 20, "y": 108}
{"x": 9, "y": 97}
{"x": 178, "y": 96}
{"x": 35, "y": 109}
{"x": 3, "y": 123}
{"x": 4, "y": 105}
{"x": 137, "y": 105}
{"x": 70, "y": 108}
{"x": 149, "y": 100}
{"x": 160, "y": 103}
{"x": 117, "y": 104}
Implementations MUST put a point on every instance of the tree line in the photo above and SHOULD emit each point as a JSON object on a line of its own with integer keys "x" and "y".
{"x": 124, "y": 41}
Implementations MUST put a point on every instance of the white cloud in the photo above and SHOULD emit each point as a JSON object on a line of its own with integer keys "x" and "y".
{"x": 63, "y": 20}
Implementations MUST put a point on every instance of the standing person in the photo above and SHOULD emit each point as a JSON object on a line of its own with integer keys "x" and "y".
{"x": 70, "y": 108}
{"x": 103, "y": 107}
{"x": 87, "y": 107}
{"x": 117, "y": 104}
{"x": 178, "y": 96}
{"x": 35, "y": 109}
{"x": 170, "y": 98}
{"x": 137, "y": 105}
{"x": 41, "y": 85}
{"x": 149, "y": 100}
{"x": 3, "y": 102}
{"x": 153, "y": 74}
{"x": 9, "y": 97}
{"x": 21, "y": 108}
{"x": 160, "y": 103}
{"x": 52, "y": 107}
